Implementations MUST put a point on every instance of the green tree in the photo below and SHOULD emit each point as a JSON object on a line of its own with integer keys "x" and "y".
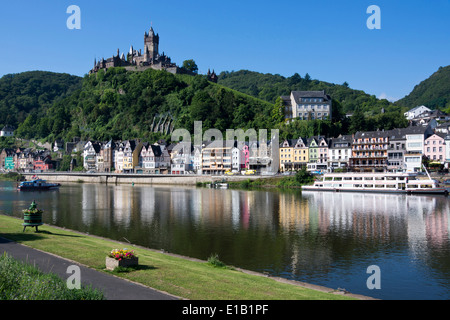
{"x": 190, "y": 65}
{"x": 278, "y": 111}
{"x": 303, "y": 177}
{"x": 357, "y": 121}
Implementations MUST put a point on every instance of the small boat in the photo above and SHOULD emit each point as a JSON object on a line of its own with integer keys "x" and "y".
{"x": 37, "y": 184}
{"x": 218, "y": 185}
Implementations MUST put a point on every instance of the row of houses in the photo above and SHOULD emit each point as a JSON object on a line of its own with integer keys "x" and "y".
{"x": 210, "y": 157}
{"x": 26, "y": 160}
{"x": 400, "y": 149}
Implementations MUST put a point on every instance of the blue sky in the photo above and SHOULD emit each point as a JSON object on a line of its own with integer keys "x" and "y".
{"x": 325, "y": 38}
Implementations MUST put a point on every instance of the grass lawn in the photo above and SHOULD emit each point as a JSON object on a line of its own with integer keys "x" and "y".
{"x": 186, "y": 278}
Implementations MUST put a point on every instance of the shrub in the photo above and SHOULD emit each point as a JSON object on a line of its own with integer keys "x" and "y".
{"x": 21, "y": 281}
{"x": 215, "y": 262}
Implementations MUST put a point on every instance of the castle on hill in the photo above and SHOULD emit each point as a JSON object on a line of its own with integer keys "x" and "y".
{"x": 139, "y": 61}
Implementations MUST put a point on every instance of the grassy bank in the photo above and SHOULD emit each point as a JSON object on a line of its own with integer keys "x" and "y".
{"x": 186, "y": 278}
{"x": 11, "y": 176}
{"x": 296, "y": 180}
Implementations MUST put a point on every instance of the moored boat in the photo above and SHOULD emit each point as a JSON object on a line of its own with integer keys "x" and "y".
{"x": 37, "y": 184}
{"x": 377, "y": 182}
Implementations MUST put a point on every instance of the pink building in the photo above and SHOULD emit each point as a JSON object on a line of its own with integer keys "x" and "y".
{"x": 435, "y": 147}
{"x": 246, "y": 155}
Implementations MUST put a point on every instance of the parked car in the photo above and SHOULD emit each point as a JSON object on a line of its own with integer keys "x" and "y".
{"x": 248, "y": 172}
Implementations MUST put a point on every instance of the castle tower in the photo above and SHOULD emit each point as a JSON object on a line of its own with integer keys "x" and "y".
{"x": 151, "y": 44}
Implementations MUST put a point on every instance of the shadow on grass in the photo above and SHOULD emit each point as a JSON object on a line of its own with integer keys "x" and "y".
{"x": 58, "y": 234}
{"x": 19, "y": 237}
{"x": 131, "y": 269}
{"x": 26, "y": 236}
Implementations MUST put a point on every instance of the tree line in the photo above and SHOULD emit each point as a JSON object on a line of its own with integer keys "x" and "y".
{"x": 118, "y": 104}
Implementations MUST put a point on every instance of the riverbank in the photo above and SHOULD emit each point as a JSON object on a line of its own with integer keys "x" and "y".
{"x": 179, "y": 276}
{"x": 130, "y": 178}
{"x": 11, "y": 176}
{"x": 233, "y": 181}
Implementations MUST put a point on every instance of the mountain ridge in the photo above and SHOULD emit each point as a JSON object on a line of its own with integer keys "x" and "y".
{"x": 433, "y": 92}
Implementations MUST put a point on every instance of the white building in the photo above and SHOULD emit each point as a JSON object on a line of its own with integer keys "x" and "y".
{"x": 414, "y": 112}
{"x": 415, "y": 144}
{"x": 447, "y": 150}
{"x": 7, "y": 131}
{"x": 118, "y": 157}
{"x": 197, "y": 159}
{"x": 415, "y": 137}
{"x": 90, "y": 153}
{"x": 182, "y": 159}
{"x": 339, "y": 152}
{"x": 413, "y": 161}
{"x": 307, "y": 105}
{"x": 150, "y": 158}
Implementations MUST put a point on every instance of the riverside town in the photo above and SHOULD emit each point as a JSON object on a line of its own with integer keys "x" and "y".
{"x": 197, "y": 153}
{"x": 427, "y": 138}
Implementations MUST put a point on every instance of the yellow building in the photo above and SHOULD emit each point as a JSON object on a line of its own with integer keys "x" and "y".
{"x": 286, "y": 155}
{"x": 293, "y": 154}
{"x": 301, "y": 153}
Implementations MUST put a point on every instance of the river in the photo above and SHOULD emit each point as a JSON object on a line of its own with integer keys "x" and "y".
{"x": 327, "y": 239}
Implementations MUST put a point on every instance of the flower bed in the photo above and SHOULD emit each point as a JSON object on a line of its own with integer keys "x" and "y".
{"x": 121, "y": 258}
{"x": 32, "y": 211}
{"x": 120, "y": 254}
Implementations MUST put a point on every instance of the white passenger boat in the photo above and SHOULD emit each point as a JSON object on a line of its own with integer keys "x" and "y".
{"x": 377, "y": 182}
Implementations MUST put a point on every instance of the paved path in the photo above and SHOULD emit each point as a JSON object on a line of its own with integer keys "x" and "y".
{"x": 114, "y": 288}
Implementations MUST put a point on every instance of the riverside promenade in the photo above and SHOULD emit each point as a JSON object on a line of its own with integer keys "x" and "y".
{"x": 113, "y": 288}
{"x": 137, "y": 178}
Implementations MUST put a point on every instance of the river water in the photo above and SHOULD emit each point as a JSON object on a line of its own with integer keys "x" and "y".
{"x": 328, "y": 239}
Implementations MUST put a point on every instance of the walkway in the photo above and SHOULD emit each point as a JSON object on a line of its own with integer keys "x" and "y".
{"x": 114, "y": 288}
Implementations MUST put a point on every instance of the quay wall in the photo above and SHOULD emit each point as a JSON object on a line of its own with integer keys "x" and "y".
{"x": 118, "y": 178}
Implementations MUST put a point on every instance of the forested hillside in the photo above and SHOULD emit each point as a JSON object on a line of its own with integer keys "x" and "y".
{"x": 268, "y": 87}
{"x": 434, "y": 92}
{"x": 124, "y": 105}
{"x": 128, "y": 105}
{"x": 32, "y": 92}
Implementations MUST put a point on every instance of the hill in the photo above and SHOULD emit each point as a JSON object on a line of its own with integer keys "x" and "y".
{"x": 120, "y": 104}
{"x": 269, "y": 87}
{"x": 433, "y": 92}
{"x": 32, "y": 92}
{"x": 149, "y": 105}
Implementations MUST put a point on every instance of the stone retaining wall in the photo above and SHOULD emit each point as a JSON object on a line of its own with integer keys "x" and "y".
{"x": 134, "y": 178}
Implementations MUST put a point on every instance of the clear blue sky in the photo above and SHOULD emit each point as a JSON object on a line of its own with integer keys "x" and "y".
{"x": 328, "y": 39}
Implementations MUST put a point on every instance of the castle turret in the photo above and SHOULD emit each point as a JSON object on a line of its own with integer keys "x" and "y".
{"x": 151, "y": 43}
{"x": 211, "y": 76}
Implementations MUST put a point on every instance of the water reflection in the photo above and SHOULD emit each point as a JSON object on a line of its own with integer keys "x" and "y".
{"x": 324, "y": 238}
